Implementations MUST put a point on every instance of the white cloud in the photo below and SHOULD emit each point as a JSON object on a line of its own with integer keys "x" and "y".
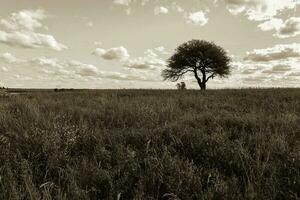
{"x": 268, "y": 12}
{"x": 271, "y": 24}
{"x": 289, "y": 28}
{"x": 84, "y": 69}
{"x": 259, "y": 10}
{"x": 75, "y": 69}
{"x": 284, "y": 29}
{"x": 44, "y": 61}
{"x": 54, "y": 69}
{"x": 10, "y": 58}
{"x": 150, "y": 61}
{"x": 21, "y": 31}
{"x": 30, "y": 40}
{"x": 122, "y": 2}
{"x": 161, "y": 10}
{"x": 275, "y": 73}
{"x": 25, "y": 19}
{"x": 161, "y": 50}
{"x": 64, "y": 67}
{"x": 278, "y": 52}
{"x": 145, "y": 63}
{"x": 117, "y": 53}
{"x": 89, "y": 70}
{"x": 280, "y": 68}
{"x": 246, "y": 68}
{"x": 270, "y": 66}
{"x": 197, "y": 18}
{"x": 123, "y": 77}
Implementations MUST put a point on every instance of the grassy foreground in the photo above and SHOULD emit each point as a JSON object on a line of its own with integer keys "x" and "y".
{"x": 223, "y": 144}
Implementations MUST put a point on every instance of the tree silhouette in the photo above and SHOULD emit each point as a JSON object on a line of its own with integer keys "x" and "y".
{"x": 205, "y": 60}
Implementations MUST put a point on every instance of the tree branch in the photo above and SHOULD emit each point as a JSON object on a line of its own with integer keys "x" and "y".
{"x": 211, "y": 76}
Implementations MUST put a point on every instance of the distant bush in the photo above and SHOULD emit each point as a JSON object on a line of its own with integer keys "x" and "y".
{"x": 181, "y": 86}
{"x": 129, "y": 144}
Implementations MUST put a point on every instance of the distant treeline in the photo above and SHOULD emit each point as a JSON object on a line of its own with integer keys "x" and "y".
{"x": 63, "y": 89}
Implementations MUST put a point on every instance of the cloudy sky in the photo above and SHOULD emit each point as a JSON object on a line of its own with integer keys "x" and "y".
{"x": 125, "y": 43}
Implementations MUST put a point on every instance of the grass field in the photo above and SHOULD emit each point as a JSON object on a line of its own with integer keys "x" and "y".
{"x": 151, "y": 144}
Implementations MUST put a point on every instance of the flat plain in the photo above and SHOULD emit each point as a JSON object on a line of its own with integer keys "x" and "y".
{"x": 150, "y": 144}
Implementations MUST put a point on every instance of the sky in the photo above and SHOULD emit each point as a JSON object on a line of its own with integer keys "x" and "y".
{"x": 119, "y": 44}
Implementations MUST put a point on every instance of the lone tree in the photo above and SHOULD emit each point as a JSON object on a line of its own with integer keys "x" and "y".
{"x": 205, "y": 60}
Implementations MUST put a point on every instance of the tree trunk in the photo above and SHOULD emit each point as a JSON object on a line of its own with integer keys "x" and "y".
{"x": 202, "y": 86}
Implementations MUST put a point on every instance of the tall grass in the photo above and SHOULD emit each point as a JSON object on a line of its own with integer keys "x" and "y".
{"x": 127, "y": 144}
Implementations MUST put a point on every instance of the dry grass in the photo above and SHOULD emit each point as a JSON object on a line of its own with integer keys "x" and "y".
{"x": 224, "y": 144}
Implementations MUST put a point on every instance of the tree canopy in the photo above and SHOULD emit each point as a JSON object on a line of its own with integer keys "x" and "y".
{"x": 205, "y": 60}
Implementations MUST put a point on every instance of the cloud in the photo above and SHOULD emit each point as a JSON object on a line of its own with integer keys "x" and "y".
{"x": 83, "y": 69}
{"x": 280, "y": 68}
{"x": 294, "y": 74}
{"x": 158, "y": 10}
{"x": 149, "y": 61}
{"x": 268, "y": 12}
{"x": 284, "y": 29}
{"x": 177, "y": 7}
{"x": 25, "y": 19}
{"x": 56, "y": 69}
{"x": 145, "y": 63}
{"x": 276, "y": 66}
{"x": 10, "y": 58}
{"x": 76, "y": 69}
{"x": 161, "y": 50}
{"x": 271, "y": 24}
{"x": 30, "y": 40}
{"x": 275, "y": 73}
{"x": 278, "y": 52}
{"x": 255, "y": 79}
{"x": 4, "y": 69}
{"x": 117, "y": 53}
{"x": 259, "y": 10}
{"x": 123, "y": 77}
{"x": 247, "y": 68}
{"x": 122, "y": 2}
{"x": 48, "y": 62}
{"x": 161, "y": 10}
{"x": 197, "y": 18}
{"x": 72, "y": 69}
{"x": 289, "y": 28}
{"x": 21, "y": 31}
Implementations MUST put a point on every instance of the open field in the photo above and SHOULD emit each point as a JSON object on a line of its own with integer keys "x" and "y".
{"x": 151, "y": 144}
